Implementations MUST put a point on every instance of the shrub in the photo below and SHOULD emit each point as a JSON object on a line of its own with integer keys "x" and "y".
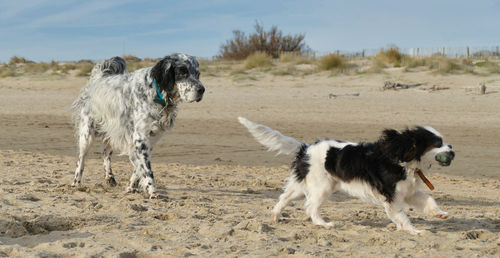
{"x": 489, "y": 66}
{"x": 18, "y": 60}
{"x": 332, "y": 62}
{"x": 411, "y": 62}
{"x": 258, "y": 60}
{"x": 272, "y": 42}
{"x": 131, "y": 59}
{"x": 85, "y": 61}
{"x": 389, "y": 56}
{"x": 6, "y": 71}
{"x": 441, "y": 64}
{"x": 37, "y": 68}
{"x": 85, "y": 69}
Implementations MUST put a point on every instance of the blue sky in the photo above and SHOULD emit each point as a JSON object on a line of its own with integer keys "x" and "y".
{"x": 64, "y": 30}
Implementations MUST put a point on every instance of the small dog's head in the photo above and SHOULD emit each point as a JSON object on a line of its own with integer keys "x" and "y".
{"x": 423, "y": 144}
{"x": 179, "y": 76}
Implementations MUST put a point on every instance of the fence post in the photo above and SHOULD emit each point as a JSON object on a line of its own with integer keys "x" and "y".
{"x": 444, "y": 54}
{"x": 363, "y": 53}
{"x": 468, "y": 53}
{"x": 418, "y": 51}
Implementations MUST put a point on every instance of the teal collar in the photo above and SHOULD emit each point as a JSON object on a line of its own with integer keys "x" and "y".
{"x": 159, "y": 97}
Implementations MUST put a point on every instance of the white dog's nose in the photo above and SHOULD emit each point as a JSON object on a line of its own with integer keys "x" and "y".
{"x": 201, "y": 90}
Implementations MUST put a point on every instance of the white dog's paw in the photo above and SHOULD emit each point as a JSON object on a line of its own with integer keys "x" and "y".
{"x": 154, "y": 196}
{"x": 274, "y": 218}
{"x": 131, "y": 190}
{"x": 323, "y": 223}
{"x": 110, "y": 181}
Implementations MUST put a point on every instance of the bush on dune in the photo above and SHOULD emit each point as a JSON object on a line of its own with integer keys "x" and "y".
{"x": 390, "y": 56}
{"x": 271, "y": 42}
{"x": 332, "y": 62}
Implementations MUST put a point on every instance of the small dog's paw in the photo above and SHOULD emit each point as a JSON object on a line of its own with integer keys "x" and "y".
{"x": 328, "y": 225}
{"x": 442, "y": 215}
{"x": 415, "y": 231}
{"x": 76, "y": 184}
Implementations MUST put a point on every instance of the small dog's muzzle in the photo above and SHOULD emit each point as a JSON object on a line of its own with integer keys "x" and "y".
{"x": 445, "y": 158}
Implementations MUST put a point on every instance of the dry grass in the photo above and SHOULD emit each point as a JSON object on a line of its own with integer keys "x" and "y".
{"x": 332, "y": 62}
{"x": 391, "y": 56}
{"x": 443, "y": 65}
{"x": 84, "y": 69}
{"x": 295, "y": 58}
{"x": 488, "y": 66}
{"x": 18, "y": 60}
{"x": 289, "y": 64}
{"x": 258, "y": 60}
{"x": 6, "y": 71}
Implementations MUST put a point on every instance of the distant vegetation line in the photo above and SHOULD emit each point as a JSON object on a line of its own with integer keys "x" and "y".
{"x": 284, "y": 54}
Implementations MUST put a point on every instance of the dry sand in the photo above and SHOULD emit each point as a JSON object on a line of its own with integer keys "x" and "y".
{"x": 218, "y": 185}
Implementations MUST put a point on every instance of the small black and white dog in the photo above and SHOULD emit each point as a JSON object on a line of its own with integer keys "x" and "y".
{"x": 382, "y": 172}
{"x": 131, "y": 111}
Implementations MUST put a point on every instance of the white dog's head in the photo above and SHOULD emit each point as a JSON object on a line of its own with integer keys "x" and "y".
{"x": 179, "y": 76}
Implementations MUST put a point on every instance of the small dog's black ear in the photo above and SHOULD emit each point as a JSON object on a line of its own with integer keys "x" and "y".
{"x": 411, "y": 153}
{"x": 164, "y": 74}
{"x": 400, "y": 146}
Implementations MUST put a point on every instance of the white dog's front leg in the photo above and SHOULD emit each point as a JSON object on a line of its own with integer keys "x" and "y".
{"x": 142, "y": 160}
{"x": 426, "y": 204}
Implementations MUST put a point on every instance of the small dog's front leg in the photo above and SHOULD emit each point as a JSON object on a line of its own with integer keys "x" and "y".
{"x": 396, "y": 213}
{"x": 426, "y": 204}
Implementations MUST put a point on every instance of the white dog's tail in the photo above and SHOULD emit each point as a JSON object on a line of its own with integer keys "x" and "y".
{"x": 272, "y": 139}
{"x": 114, "y": 65}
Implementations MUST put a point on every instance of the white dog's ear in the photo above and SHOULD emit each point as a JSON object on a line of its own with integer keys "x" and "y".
{"x": 164, "y": 73}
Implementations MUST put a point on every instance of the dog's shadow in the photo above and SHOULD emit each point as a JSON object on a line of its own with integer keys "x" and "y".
{"x": 452, "y": 224}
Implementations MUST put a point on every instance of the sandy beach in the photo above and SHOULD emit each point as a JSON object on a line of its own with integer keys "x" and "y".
{"x": 218, "y": 185}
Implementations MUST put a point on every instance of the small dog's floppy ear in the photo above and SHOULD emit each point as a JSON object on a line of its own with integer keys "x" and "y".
{"x": 163, "y": 73}
{"x": 411, "y": 153}
{"x": 400, "y": 146}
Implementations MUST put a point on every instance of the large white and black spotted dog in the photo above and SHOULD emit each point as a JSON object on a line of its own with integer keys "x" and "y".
{"x": 131, "y": 111}
{"x": 382, "y": 172}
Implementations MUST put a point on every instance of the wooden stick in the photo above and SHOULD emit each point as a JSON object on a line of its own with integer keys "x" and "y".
{"x": 426, "y": 181}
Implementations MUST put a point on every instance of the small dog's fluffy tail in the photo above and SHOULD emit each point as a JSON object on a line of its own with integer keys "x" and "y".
{"x": 114, "y": 65}
{"x": 272, "y": 139}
